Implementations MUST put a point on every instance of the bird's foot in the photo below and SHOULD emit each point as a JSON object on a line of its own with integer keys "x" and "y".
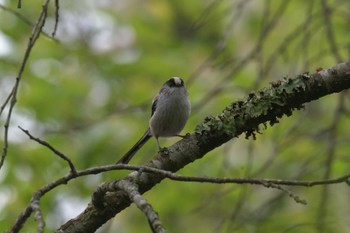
{"x": 183, "y": 136}
{"x": 163, "y": 151}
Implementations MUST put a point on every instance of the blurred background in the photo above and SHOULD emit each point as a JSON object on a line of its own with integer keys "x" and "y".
{"x": 88, "y": 92}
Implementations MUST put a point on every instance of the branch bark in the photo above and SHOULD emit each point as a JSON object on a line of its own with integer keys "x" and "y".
{"x": 244, "y": 116}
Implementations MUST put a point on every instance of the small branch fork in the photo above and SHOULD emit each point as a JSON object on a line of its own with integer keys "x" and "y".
{"x": 31, "y": 24}
{"x": 132, "y": 190}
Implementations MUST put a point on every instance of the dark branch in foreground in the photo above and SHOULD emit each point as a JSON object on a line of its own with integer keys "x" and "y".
{"x": 245, "y": 116}
{"x": 23, "y": 217}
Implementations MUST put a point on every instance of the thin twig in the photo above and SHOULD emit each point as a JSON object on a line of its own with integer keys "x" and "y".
{"x": 327, "y": 12}
{"x": 46, "y": 144}
{"x": 296, "y": 198}
{"x": 6, "y": 102}
{"x": 26, "y": 21}
{"x": 110, "y": 187}
{"x": 31, "y": 42}
{"x": 57, "y": 7}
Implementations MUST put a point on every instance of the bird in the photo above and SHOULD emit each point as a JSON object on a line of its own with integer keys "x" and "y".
{"x": 171, "y": 109}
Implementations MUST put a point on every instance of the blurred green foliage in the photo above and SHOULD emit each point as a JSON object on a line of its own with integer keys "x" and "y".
{"x": 89, "y": 92}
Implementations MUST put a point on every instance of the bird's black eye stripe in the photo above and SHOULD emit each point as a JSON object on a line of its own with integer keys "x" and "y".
{"x": 171, "y": 82}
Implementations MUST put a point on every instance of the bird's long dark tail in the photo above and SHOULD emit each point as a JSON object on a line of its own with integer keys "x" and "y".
{"x": 128, "y": 156}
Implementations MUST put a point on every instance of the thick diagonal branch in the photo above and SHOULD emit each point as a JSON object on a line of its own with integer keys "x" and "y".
{"x": 245, "y": 116}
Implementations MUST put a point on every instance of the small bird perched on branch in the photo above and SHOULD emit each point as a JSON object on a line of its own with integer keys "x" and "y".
{"x": 171, "y": 109}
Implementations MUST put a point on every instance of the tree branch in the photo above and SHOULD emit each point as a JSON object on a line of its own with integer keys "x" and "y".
{"x": 57, "y": 16}
{"x": 142, "y": 204}
{"x": 46, "y": 144}
{"x": 113, "y": 186}
{"x": 29, "y": 23}
{"x": 244, "y": 116}
{"x": 13, "y": 95}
